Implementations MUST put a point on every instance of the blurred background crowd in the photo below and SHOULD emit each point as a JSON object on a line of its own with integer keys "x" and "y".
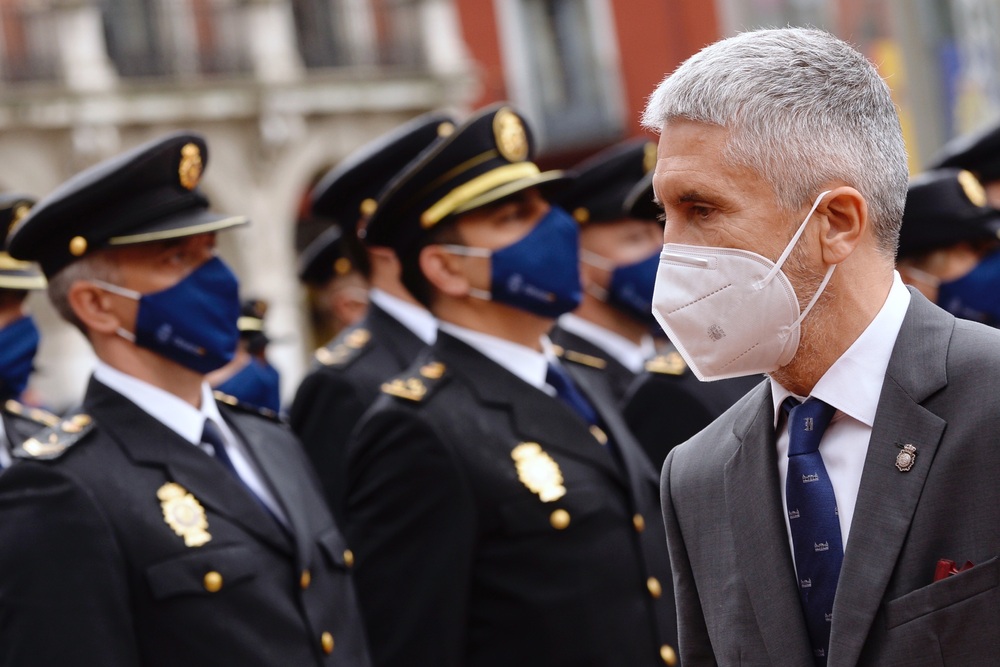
{"x": 285, "y": 89}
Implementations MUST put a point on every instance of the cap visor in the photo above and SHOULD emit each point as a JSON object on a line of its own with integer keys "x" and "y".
{"x": 547, "y": 180}
{"x": 179, "y": 226}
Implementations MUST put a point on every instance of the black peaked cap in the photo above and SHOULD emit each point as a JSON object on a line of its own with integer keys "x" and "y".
{"x": 325, "y": 257}
{"x": 945, "y": 207}
{"x": 979, "y": 152}
{"x": 15, "y": 274}
{"x": 149, "y": 193}
{"x": 485, "y": 160}
{"x": 601, "y": 184}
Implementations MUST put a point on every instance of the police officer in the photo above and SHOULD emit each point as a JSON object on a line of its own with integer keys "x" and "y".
{"x": 948, "y": 245}
{"x": 500, "y": 510}
{"x": 335, "y": 279}
{"x": 19, "y": 337}
{"x": 249, "y": 377}
{"x": 157, "y": 527}
{"x": 978, "y": 152}
{"x": 666, "y": 404}
{"x": 348, "y": 371}
{"x": 611, "y": 330}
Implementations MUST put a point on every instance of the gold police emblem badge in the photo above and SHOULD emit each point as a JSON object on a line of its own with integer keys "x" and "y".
{"x": 906, "y": 458}
{"x": 538, "y": 471}
{"x": 184, "y": 514}
{"x": 511, "y": 137}
{"x": 189, "y": 171}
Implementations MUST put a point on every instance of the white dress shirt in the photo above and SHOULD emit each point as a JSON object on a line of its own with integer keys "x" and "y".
{"x": 530, "y": 365}
{"x": 4, "y": 443}
{"x": 852, "y": 385}
{"x": 627, "y": 353}
{"x": 415, "y": 318}
{"x": 188, "y": 422}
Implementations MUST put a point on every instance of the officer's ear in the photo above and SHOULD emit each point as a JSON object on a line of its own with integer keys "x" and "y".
{"x": 94, "y": 307}
{"x": 445, "y": 271}
{"x": 845, "y": 213}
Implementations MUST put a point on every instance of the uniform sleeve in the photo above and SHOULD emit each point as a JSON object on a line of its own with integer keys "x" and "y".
{"x": 325, "y": 411}
{"x": 63, "y": 589}
{"x": 693, "y": 640}
{"x": 411, "y": 524}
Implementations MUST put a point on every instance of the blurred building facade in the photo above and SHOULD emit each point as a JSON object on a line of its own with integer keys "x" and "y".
{"x": 284, "y": 88}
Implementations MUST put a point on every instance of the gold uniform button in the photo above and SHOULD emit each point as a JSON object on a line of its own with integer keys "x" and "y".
{"x": 639, "y": 522}
{"x": 77, "y": 246}
{"x": 653, "y": 584}
{"x": 599, "y": 435}
{"x": 212, "y": 581}
{"x": 326, "y": 641}
{"x": 559, "y": 519}
{"x": 348, "y": 558}
{"x": 668, "y": 654}
{"x": 305, "y": 579}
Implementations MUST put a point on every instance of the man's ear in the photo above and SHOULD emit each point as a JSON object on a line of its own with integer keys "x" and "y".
{"x": 846, "y": 213}
{"x": 444, "y": 271}
{"x": 93, "y": 307}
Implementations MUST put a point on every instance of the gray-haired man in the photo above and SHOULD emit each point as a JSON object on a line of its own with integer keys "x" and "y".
{"x": 782, "y": 174}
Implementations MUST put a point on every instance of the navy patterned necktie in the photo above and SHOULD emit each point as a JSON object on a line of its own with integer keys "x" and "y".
{"x": 567, "y": 392}
{"x": 813, "y": 518}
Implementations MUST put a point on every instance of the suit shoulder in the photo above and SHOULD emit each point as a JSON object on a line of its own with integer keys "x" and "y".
{"x": 343, "y": 350}
{"x": 418, "y": 383}
{"x": 247, "y": 408}
{"x": 54, "y": 441}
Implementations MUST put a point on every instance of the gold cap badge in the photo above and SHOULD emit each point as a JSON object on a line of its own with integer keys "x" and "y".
{"x": 20, "y": 211}
{"x": 189, "y": 171}
{"x": 511, "y": 137}
{"x": 649, "y": 157}
{"x": 972, "y": 187}
{"x": 538, "y": 471}
{"x": 184, "y": 514}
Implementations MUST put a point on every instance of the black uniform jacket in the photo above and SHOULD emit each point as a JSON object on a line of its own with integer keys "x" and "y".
{"x": 92, "y": 572}
{"x": 492, "y": 529}
{"x": 667, "y": 403}
{"x": 344, "y": 382}
{"x": 618, "y": 377}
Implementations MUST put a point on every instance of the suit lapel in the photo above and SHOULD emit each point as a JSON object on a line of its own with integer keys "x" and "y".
{"x": 760, "y": 538}
{"x": 149, "y": 442}
{"x": 535, "y": 416}
{"x": 287, "y": 487}
{"x": 888, "y": 497}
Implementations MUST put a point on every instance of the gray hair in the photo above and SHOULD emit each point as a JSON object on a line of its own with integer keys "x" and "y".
{"x": 96, "y": 266}
{"x": 803, "y": 108}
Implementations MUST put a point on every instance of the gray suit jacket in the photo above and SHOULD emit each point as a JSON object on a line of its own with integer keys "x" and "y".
{"x": 734, "y": 579}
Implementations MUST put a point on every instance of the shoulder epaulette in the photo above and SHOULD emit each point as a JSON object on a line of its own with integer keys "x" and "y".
{"x": 581, "y": 358}
{"x": 234, "y": 402}
{"x": 671, "y": 363}
{"x": 345, "y": 349}
{"x": 37, "y": 415}
{"x": 416, "y": 386}
{"x": 53, "y": 442}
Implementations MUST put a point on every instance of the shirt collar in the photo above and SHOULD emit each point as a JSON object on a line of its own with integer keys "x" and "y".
{"x": 630, "y": 355}
{"x": 171, "y": 411}
{"x": 853, "y": 383}
{"x": 528, "y": 364}
{"x": 415, "y": 318}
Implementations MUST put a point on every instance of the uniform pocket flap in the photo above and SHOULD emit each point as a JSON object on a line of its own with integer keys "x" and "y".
{"x": 201, "y": 572}
{"x": 950, "y": 590}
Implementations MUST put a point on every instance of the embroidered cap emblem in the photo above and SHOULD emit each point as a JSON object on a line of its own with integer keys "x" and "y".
{"x": 189, "y": 171}
{"x": 510, "y": 135}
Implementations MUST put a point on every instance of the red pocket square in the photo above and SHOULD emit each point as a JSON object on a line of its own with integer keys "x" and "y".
{"x": 946, "y": 568}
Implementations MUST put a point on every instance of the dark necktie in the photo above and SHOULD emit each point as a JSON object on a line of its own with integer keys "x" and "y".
{"x": 212, "y": 435}
{"x": 567, "y": 392}
{"x": 813, "y": 518}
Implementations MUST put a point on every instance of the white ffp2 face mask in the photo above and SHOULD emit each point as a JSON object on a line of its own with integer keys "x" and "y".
{"x": 730, "y": 312}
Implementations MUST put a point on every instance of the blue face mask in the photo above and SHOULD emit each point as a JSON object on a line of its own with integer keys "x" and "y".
{"x": 976, "y": 295}
{"x": 540, "y": 273}
{"x": 192, "y": 323}
{"x": 631, "y": 287}
{"x": 257, "y": 383}
{"x": 18, "y": 344}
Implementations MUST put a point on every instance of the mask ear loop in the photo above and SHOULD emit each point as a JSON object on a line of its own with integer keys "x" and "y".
{"x": 791, "y": 244}
{"x": 469, "y": 251}
{"x": 120, "y": 291}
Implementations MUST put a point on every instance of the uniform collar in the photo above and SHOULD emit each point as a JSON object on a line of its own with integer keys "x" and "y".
{"x": 415, "y": 318}
{"x": 627, "y": 353}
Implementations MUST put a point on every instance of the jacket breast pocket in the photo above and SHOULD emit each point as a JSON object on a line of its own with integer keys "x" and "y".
{"x": 201, "y": 572}
{"x": 942, "y": 594}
